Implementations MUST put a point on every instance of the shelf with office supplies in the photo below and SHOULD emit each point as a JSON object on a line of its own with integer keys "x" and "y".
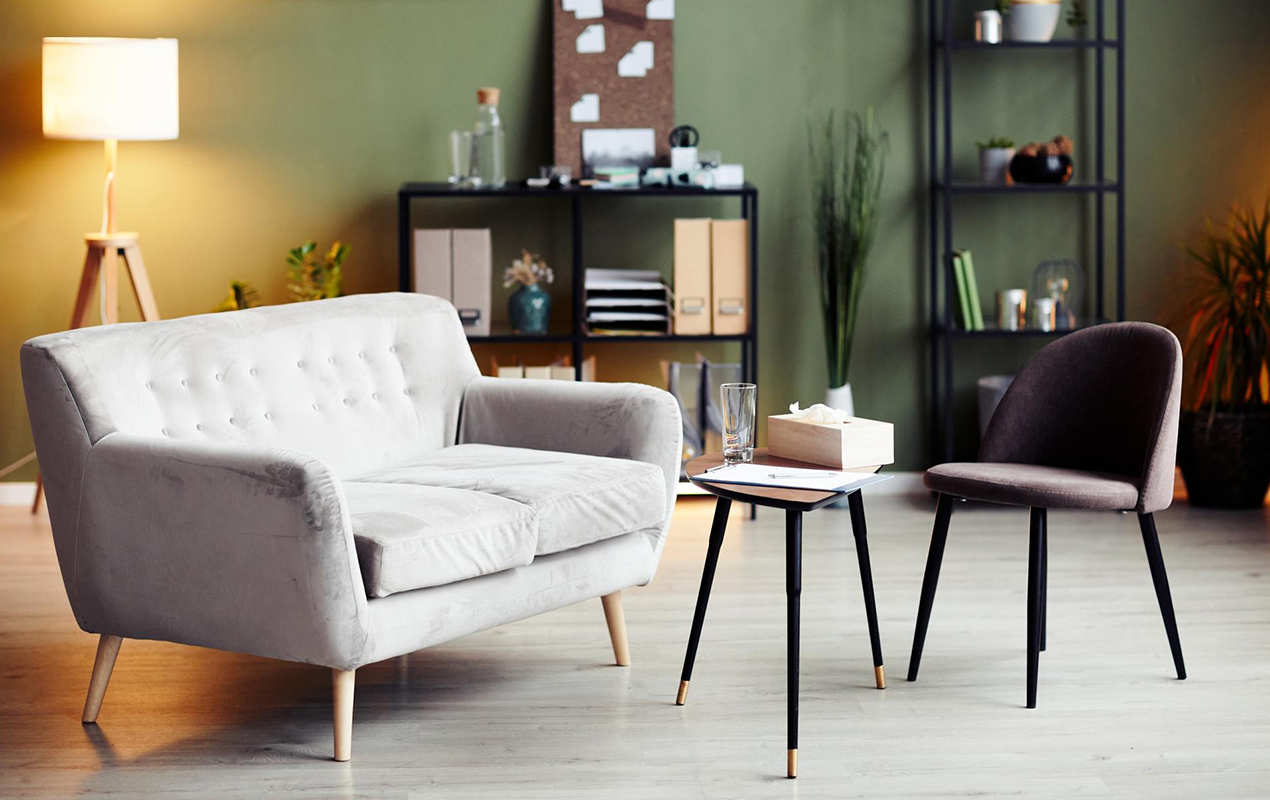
{"x": 744, "y": 330}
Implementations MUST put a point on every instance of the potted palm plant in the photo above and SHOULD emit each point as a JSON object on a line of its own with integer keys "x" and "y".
{"x": 848, "y": 159}
{"x": 1224, "y": 438}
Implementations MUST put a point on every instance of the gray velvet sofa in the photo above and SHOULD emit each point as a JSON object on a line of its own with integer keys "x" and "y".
{"x": 334, "y": 483}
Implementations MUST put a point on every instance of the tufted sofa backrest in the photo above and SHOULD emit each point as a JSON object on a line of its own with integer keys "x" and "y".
{"x": 360, "y": 382}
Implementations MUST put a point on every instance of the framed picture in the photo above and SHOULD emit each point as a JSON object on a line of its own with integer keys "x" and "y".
{"x": 618, "y": 147}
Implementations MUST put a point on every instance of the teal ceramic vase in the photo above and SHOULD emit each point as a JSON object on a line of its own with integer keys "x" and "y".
{"x": 529, "y": 309}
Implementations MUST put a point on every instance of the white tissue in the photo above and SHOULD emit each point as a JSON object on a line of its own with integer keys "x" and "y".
{"x": 819, "y": 413}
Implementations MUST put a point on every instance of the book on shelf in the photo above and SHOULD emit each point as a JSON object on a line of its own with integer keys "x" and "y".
{"x": 972, "y": 290}
{"x": 627, "y": 301}
{"x": 970, "y": 313}
{"x": 558, "y": 370}
{"x": 963, "y": 300}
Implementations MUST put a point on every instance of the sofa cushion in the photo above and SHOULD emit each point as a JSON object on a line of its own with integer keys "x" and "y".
{"x": 409, "y": 537}
{"x": 578, "y": 499}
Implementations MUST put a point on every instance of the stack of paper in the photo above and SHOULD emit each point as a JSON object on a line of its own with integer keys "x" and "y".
{"x": 627, "y": 301}
{"x": 816, "y": 480}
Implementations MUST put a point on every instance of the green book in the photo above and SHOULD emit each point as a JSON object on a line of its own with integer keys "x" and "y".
{"x": 972, "y": 290}
{"x": 963, "y": 299}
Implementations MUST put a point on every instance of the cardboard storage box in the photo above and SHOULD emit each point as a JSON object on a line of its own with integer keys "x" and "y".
{"x": 842, "y": 445}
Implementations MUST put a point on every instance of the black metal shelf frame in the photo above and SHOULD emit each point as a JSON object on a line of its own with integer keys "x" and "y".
{"x": 943, "y": 189}
{"x": 578, "y": 197}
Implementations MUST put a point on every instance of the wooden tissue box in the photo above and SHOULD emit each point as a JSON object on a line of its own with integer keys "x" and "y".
{"x": 857, "y": 442}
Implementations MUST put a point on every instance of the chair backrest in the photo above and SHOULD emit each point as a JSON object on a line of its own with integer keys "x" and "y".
{"x": 359, "y": 382}
{"x": 1104, "y": 399}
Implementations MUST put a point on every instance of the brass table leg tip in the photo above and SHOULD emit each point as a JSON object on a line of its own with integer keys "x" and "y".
{"x": 880, "y": 676}
{"x": 792, "y": 771}
{"x": 683, "y": 693}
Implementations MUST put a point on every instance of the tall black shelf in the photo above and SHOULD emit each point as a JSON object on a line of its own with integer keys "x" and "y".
{"x": 944, "y": 189}
{"x": 579, "y": 197}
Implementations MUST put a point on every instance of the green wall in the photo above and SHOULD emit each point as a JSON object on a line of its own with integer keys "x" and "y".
{"x": 299, "y": 118}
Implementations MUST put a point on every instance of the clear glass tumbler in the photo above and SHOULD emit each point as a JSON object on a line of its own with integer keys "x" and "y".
{"x": 461, "y": 159}
{"x": 738, "y": 422}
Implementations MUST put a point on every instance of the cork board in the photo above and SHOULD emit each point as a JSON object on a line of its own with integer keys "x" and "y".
{"x": 591, "y": 80}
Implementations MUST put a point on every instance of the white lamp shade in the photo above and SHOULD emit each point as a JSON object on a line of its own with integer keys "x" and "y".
{"x": 100, "y": 89}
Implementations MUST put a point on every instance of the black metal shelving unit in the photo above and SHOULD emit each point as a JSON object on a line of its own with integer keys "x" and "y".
{"x": 578, "y": 197}
{"x": 944, "y": 189}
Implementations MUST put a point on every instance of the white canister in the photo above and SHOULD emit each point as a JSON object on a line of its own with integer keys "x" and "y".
{"x": 1032, "y": 20}
{"x": 994, "y": 164}
{"x": 1043, "y": 309}
{"x": 1011, "y": 309}
{"x": 682, "y": 159}
{"x": 988, "y": 27}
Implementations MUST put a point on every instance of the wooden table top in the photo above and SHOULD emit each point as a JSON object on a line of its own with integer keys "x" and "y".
{"x": 789, "y": 499}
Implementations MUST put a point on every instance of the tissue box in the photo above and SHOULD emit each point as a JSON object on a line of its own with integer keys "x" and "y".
{"x": 857, "y": 442}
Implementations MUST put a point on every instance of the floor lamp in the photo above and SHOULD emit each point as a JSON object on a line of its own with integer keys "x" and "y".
{"x": 107, "y": 90}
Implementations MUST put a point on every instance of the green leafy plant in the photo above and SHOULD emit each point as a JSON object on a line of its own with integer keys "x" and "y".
{"x": 996, "y": 142}
{"x": 1077, "y": 16}
{"x": 314, "y": 277}
{"x": 1228, "y": 338}
{"x": 1003, "y": 7}
{"x": 241, "y": 295}
{"x": 848, "y": 160}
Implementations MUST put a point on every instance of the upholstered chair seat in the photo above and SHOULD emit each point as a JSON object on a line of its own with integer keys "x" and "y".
{"x": 1034, "y": 485}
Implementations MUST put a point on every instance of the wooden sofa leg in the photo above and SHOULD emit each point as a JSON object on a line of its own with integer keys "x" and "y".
{"x": 617, "y": 627}
{"x": 342, "y": 682}
{"x": 103, "y": 665}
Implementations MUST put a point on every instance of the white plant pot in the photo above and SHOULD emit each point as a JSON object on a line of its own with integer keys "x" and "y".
{"x": 1032, "y": 20}
{"x": 994, "y": 164}
{"x": 840, "y": 398}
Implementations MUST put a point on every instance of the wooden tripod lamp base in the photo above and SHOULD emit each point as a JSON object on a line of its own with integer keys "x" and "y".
{"x": 101, "y": 265}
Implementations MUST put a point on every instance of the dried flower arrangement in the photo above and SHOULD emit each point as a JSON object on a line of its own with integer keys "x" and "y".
{"x": 527, "y": 270}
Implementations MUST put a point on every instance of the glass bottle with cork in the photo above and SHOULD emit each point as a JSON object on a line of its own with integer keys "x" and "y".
{"x": 486, "y": 168}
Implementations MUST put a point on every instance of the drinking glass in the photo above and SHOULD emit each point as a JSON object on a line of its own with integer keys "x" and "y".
{"x": 461, "y": 159}
{"x": 738, "y": 422}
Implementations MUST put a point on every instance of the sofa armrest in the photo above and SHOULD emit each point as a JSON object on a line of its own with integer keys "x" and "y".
{"x": 239, "y": 548}
{"x": 618, "y": 420}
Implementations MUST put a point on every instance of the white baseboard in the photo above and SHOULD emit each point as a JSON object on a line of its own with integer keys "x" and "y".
{"x": 900, "y": 483}
{"x": 17, "y": 493}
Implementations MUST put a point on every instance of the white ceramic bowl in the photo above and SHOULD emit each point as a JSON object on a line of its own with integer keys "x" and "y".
{"x": 1032, "y": 21}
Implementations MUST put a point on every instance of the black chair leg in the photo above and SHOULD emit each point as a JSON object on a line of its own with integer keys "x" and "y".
{"x": 793, "y": 595}
{"x": 721, "y": 509}
{"x": 1035, "y": 580}
{"x": 1045, "y": 574}
{"x": 943, "y": 514}
{"x": 856, "y": 504}
{"x": 1161, "y": 579}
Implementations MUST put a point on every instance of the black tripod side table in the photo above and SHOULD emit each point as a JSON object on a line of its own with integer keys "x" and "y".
{"x": 794, "y": 502}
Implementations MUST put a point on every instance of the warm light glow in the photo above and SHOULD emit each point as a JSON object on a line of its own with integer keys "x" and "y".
{"x": 99, "y": 89}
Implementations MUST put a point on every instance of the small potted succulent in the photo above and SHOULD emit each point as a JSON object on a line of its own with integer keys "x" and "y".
{"x": 1224, "y": 437}
{"x": 1043, "y": 162}
{"x": 994, "y": 159}
{"x": 529, "y": 307}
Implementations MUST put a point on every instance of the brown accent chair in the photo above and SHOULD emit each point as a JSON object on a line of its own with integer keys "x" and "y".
{"x": 1089, "y": 423}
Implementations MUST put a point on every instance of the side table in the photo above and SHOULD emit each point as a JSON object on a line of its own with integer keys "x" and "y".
{"x": 794, "y": 502}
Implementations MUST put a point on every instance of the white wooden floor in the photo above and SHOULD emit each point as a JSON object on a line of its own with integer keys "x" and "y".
{"x": 534, "y": 710}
